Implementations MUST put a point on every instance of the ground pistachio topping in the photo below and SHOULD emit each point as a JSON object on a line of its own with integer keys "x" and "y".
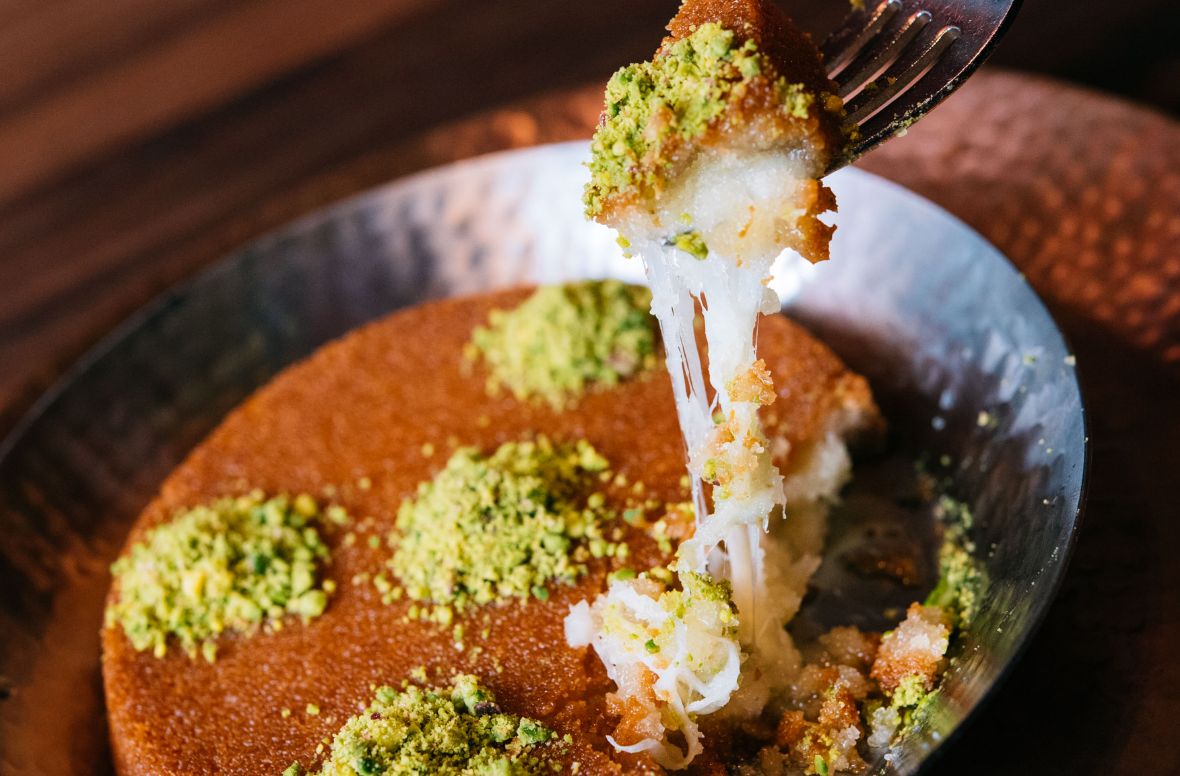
{"x": 235, "y": 564}
{"x": 453, "y": 731}
{"x": 502, "y": 526}
{"x": 921, "y": 640}
{"x": 959, "y": 582}
{"x": 960, "y": 575}
{"x": 652, "y": 107}
{"x": 564, "y": 339}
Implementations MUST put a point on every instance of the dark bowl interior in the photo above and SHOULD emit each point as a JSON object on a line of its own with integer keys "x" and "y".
{"x": 963, "y": 356}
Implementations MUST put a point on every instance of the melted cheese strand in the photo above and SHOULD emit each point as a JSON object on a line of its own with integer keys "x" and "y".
{"x": 674, "y": 307}
{"x": 729, "y": 452}
{"x": 731, "y": 295}
{"x": 708, "y": 238}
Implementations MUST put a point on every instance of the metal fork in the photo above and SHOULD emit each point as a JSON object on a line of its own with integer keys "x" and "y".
{"x": 894, "y": 60}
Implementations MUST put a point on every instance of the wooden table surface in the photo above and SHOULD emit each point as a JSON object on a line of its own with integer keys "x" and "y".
{"x": 139, "y": 141}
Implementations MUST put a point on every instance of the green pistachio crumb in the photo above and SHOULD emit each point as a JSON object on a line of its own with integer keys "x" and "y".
{"x": 662, "y": 574}
{"x": 500, "y": 526}
{"x": 916, "y": 706}
{"x": 531, "y": 732}
{"x": 954, "y": 513}
{"x": 305, "y": 505}
{"x": 621, "y": 575}
{"x": 960, "y": 578}
{"x": 692, "y": 244}
{"x": 910, "y": 691}
{"x": 706, "y": 587}
{"x": 565, "y": 339}
{"x": 453, "y": 731}
{"x": 235, "y": 564}
{"x": 312, "y": 710}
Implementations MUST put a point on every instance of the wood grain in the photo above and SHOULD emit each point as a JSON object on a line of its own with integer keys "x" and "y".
{"x": 214, "y": 61}
{"x": 44, "y": 46}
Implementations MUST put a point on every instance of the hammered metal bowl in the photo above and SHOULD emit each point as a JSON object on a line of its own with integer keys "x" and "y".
{"x": 965, "y": 359}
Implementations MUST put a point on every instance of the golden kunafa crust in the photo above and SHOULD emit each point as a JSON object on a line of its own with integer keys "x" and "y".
{"x": 791, "y": 50}
{"x": 357, "y": 420}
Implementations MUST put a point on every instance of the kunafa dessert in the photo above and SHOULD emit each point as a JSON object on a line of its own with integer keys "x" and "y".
{"x": 492, "y": 536}
{"x": 366, "y": 544}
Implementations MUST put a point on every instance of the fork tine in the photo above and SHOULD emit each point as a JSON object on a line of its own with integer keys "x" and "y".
{"x": 843, "y": 45}
{"x": 893, "y": 63}
{"x": 868, "y": 102}
{"x": 886, "y": 56}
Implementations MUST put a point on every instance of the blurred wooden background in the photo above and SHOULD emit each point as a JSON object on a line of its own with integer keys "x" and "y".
{"x": 141, "y": 138}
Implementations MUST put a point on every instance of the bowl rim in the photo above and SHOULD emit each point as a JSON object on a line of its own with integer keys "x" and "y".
{"x": 226, "y": 262}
